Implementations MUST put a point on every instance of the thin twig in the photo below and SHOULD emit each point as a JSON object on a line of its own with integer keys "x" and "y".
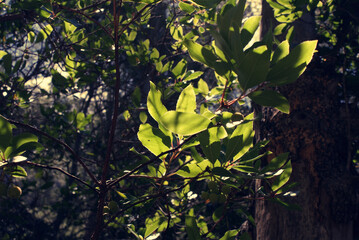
{"x": 128, "y": 174}
{"x": 60, "y": 170}
{"x": 77, "y": 157}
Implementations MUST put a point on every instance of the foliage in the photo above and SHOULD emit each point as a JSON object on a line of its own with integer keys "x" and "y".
{"x": 180, "y": 173}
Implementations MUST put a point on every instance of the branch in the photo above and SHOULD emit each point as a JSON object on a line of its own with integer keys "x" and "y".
{"x": 150, "y": 197}
{"x": 77, "y": 157}
{"x": 86, "y": 16}
{"x": 60, "y": 170}
{"x": 128, "y": 174}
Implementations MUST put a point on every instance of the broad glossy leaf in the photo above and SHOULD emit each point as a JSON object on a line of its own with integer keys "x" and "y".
{"x": 153, "y": 224}
{"x": 281, "y": 52}
{"x": 250, "y": 26}
{"x": 254, "y": 67}
{"x": 188, "y": 8}
{"x": 200, "y": 53}
{"x": 184, "y": 123}
{"x": 230, "y": 16}
{"x": 210, "y": 143}
{"x": 271, "y": 98}
{"x": 241, "y": 140}
{"x": 224, "y": 51}
{"x": 5, "y": 134}
{"x": 282, "y": 179}
{"x": 276, "y": 163}
{"x": 21, "y": 143}
{"x": 289, "y": 68}
{"x": 203, "y": 87}
{"x": 154, "y": 103}
{"x": 193, "y": 169}
{"x": 187, "y": 100}
{"x": 180, "y": 68}
{"x": 153, "y": 139}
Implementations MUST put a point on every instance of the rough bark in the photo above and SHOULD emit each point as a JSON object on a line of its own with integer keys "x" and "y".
{"x": 314, "y": 135}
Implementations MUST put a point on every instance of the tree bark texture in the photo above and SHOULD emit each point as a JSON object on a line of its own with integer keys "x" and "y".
{"x": 315, "y": 136}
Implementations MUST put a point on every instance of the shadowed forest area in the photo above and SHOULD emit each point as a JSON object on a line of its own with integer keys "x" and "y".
{"x": 179, "y": 119}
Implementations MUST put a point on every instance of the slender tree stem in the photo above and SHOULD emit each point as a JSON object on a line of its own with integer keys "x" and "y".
{"x": 103, "y": 185}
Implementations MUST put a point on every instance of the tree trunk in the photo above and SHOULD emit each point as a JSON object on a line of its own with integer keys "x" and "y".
{"x": 314, "y": 134}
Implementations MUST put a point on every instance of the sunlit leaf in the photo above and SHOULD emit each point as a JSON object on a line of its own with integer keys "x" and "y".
{"x": 289, "y": 68}
{"x": 249, "y": 28}
{"x": 210, "y": 143}
{"x": 230, "y": 235}
{"x": 187, "y": 100}
{"x": 254, "y": 67}
{"x": 282, "y": 179}
{"x": 240, "y": 140}
{"x": 184, "y": 123}
{"x": 153, "y": 139}
{"x": 154, "y": 103}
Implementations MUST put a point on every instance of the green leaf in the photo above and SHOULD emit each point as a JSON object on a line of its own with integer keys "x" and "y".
{"x": 192, "y": 228}
{"x": 254, "y": 67}
{"x": 241, "y": 140}
{"x": 276, "y": 163}
{"x": 187, "y": 100}
{"x": 223, "y": 50}
{"x": 192, "y": 75}
{"x": 210, "y": 143}
{"x": 203, "y": 87}
{"x": 5, "y": 134}
{"x": 20, "y": 143}
{"x": 281, "y": 52}
{"x": 283, "y": 178}
{"x": 249, "y": 28}
{"x": 2, "y": 54}
{"x": 193, "y": 169}
{"x": 153, "y": 139}
{"x": 69, "y": 27}
{"x": 222, "y": 172}
{"x": 16, "y": 171}
{"x": 289, "y": 68}
{"x": 153, "y": 224}
{"x": 154, "y": 104}
{"x": 184, "y": 123}
{"x": 230, "y": 235}
{"x": 188, "y": 8}
{"x": 229, "y": 16}
{"x": 143, "y": 117}
{"x": 180, "y": 68}
{"x": 200, "y": 53}
{"x": 271, "y": 98}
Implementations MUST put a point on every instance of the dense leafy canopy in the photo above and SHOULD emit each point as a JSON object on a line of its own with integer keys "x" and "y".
{"x": 127, "y": 115}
